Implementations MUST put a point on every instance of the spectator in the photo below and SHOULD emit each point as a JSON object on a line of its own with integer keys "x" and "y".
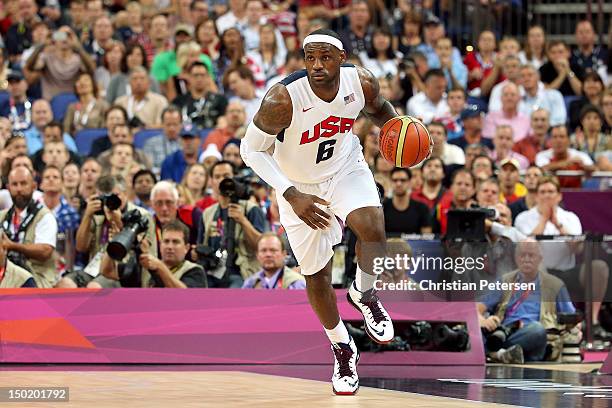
{"x": 561, "y": 156}
{"x": 234, "y": 123}
{"x": 68, "y": 218}
{"x": 455, "y": 71}
{"x": 606, "y": 103}
{"x": 241, "y": 82}
{"x": 591, "y": 57}
{"x": 509, "y": 115}
{"x": 536, "y": 141}
{"x": 431, "y": 103}
{"x": 410, "y": 32}
{"x": 271, "y": 255}
{"x": 102, "y": 39}
{"x": 456, "y": 104}
{"x": 511, "y": 188}
{"x": 357, "y": 37}
{"x": 112, "y": 66}
{"x": 269, "y": 50}
{"x": 58, "y": 65}
{"x": 123, "y": 134}
{"x": 52, "y": 133}
{"x": 380, "y": 60}
{"x": 173, "y": 167}
{"x": 195, "y": 181}
{"x": 589, "y": 138}
{"x": 159, "y": 33}
{"x": 536, "y": 96}
{"x": 208, "y": 38}
{"x": 210, "y": 156}
{"x": 55, "y": 154}
{"x": 249, "y": 223}
{"x": 472, "y": 122}
{"x": 17, "y": 107}
{"x": 528, "y": 201}
{"x": 41, "y": 116}
{"x": 143, "y": 107}
{"x": 480, "y": 63}
{"x": 411, "y": 75}
{"x": 92, "y": 236}
{"x": 40, "y": 37}
{"x": 293, "y": 62}
{"x": 142, "y": 185}
{"x": 403, "y": 215}
{"x": 31, "y": 229}
{"x": 462, "y": 189}
{"x": 534, "y": 52}
{"x": 487, "y": 193}
{"x": 235, "y": 17}
{"x": 77, "y": 19}
{"x": 503, "y": 147}
{"x": 6, "y": 131}
{"x": 134, "y": 56}
{"x": 592, "y": 94}
{"x": 432, "y": 190}
{"x": 161, "y": 146}
{"x": 559, "y": 258}
{"x": 71, "y": 178}
{"x": 201, "y": 106}
{"x": 559, "y": 72}
{"x": 450, "y": 154}
{"x": 433, "y": 30}
{"x": 511, "y": 72}
{"x": 198, "y": 12}
{"x": 172, "y": 270}
{"x": 482, "y": 168}
{"x": 535, "y": 311}
{"x": 90, "y": 173}
{"x": 88, "y": 111}
{"x": 19, "y": 35}
{"x": 121, "y": 159}
{"x": 115, "y": 115}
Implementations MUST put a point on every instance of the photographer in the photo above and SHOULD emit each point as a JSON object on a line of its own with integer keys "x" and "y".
{"x": 515, "y": 331}
{"x": 232, "y": 210}
{"x": 173, "y": 270}
{"x": 102, "y": 217}
{"x": 31, "y": 228}
{"x": 11, "y": 275}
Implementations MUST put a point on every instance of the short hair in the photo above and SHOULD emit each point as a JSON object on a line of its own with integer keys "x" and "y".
{"x": 51, "y": 167}
{"x": 294, "y": 55}
{"x": 438, "y": 124}
{"x": 125, "y": 125}
{"x": 434, "y": 72}
{"x": 270, "y": 234}
{"x": 90, "y": 159}
{"x": 115, "y": 146}
{"x": 326, "y": 31}
{"x": 549, "y": 179}
{"x": 139, "y": 69}
{"x": 197, "y": 63}
{"x": 553, "y": 43}
{"x": 243, "y": 72}
{"x": 401, "y": 170}
{"x": 490, "y": 180}
{"x": 480, "y": 156}
{"x": 165, "y": 185}
{"x": 13, "y": 139}
{"x": 170, "y": 109}
{"x": 462, "y": 170}
{"x": 54, "y": 124}
{"x": 432, "y": 158}
{"x": 589, "y": 108}
{"x": 559, "y": 127}
{"x": 503, "y": 126}
{"x": 119, "y": 108}
{"x": 458, "y": 89}
{"x": 221, "y": 163}
{"x": 108, "y": 182}
{"x": 177, "y": 226}
{"x": 143, "y": 172}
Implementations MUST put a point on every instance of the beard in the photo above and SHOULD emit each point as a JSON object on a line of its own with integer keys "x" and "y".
{"x": 21, "y": 201}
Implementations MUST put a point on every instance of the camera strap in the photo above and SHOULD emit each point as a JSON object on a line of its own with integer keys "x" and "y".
{"x": 18, "y": 234}
{"x": 519, "y": 301}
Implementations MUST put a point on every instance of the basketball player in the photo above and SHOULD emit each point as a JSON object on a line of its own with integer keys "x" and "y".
{"x": 321, "y": 177}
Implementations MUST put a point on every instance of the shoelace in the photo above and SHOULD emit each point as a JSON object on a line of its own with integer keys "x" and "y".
{"x": 370, "y": 299}
{"x": 344, "y": 357}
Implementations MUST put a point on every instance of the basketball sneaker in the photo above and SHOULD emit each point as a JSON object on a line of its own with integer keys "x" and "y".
{"x": 378, "y": 324}
{"x": 345, "y": 380}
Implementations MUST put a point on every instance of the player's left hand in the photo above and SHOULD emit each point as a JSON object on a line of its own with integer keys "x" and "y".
{"x": 235, "y": 212}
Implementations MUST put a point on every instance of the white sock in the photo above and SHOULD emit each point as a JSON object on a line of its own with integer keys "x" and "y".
{"x": 364, "y": 281}
{"x": 338, "y": 334}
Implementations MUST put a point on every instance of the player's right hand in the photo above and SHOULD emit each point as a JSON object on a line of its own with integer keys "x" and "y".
{"x": 304, "y": 206}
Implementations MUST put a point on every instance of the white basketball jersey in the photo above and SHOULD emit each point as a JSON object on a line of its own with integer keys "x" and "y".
{"x": 320, "y": 140}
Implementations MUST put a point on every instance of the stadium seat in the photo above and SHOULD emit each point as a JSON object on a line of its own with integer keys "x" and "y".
{"x": 59, "y": 104}
{"x": 4, "y": 96}
{"x": 141, "y": 137}
{"x": 84, "y": 139}
{"x": 204, "y": 134}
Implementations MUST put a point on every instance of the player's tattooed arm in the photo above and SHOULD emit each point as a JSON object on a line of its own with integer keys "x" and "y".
{"x": 377, "y": 109}
{"x": 275, "y": 112}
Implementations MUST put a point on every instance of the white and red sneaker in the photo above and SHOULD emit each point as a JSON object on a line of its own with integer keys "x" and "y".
{"x": 378, "y": 324}
{"x": 345, "y": 380}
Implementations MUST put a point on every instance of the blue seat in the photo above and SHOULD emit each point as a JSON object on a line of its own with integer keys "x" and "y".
{"x": 204, "y": 134}
{"x": 59, "y": 104}
{"x": 141, "y": 137}
{"x": 84, "y": 139}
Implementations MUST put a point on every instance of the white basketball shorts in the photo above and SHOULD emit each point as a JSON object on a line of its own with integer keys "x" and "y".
{"x": 352, "y": 188}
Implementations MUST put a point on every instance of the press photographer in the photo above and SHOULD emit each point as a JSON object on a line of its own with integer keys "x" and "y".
{"x": 231, "y": 229}
{"x": 11, "y": 275}
{"x": 103, "y": 217}
{"x": 31, "y": 229}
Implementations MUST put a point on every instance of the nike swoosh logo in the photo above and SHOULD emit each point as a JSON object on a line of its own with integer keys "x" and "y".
{"x": 306, "y": 110}
{"x": 351, "y": 384}
{"x": 380, "y": 333}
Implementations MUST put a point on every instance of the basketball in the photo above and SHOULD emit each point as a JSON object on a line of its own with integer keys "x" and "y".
{"x": 404, "y": 141}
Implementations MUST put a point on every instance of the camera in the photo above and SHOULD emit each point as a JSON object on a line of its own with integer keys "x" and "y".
{"x": 208, "y": 258}
{"x": 110, "y": 201}
{"x": 407, "y": 63}
{"x": 237, "y": 188}
{"x": 134, "y": 223}
{"x": 497, "y": 338}
{"x": 469, "y": 224}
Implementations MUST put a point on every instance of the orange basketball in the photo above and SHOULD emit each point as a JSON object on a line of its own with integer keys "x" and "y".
{"x": 404, "y": 141}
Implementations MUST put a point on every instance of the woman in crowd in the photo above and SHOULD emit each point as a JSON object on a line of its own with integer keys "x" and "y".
{"x": 535, "y": 47}
{"x": 409, "y": 33}
{"x": 134, "y": 56}
{"x": 114, "y": 64}
{"x": 88, "y": 111}
{"x": 381, "y": 60}
{"x": 592, "y": 93}
{"x": 195, "y": 182}
{"x": 208, "y": 38}
{"x": 232, "y": 54}
{"x": 269, "y": 56}
{"x": 480, "y": 63}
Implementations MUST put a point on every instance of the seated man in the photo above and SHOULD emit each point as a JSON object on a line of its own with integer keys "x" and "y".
{"x": 172, "y": 270}
{"x": 524, "y": 315}
{"x": 271, "y": 255}
{"x": 11, "y": 275}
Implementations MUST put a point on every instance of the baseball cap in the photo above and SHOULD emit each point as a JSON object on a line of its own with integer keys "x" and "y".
{"x": 510, "y": 161}
{"x": 189, "y": 131}
{"x": 471, "y": 111}
{"x": 431, "y": 19}
{"x": 183, "y": 28}
{"x": 15, "y": 75}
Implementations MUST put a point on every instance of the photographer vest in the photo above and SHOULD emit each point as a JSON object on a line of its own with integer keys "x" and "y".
{"x": 14, "y": 276}
{"x": 178, "y": 274}
{"x": 549, "y": 289}
{"x": 245, "y": 258}
{"x": 44, "y": 272}
{"x": 287, "y": 279}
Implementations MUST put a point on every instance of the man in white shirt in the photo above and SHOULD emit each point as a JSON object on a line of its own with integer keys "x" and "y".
{"x": 511, "y": 69}
{"x": 450, "y": 154}
{"x": 235, "y": 17}
{"x": 536, "y": 96}
{"x": 547, "y": 218}
{"x": 431, "y": 103}
{"x": 560, "y": 156}
{"x": 241, "y": 82}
